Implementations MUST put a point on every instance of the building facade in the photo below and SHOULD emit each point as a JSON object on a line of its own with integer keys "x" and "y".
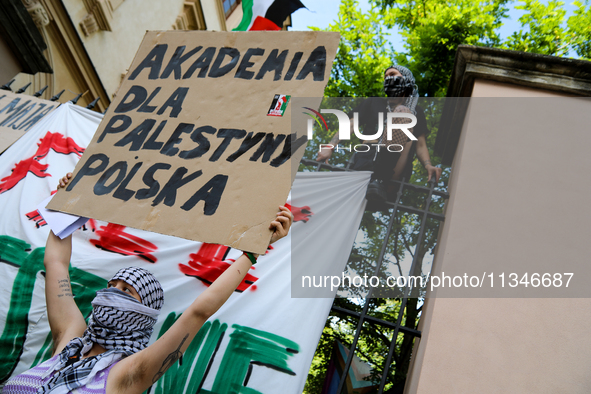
{"x": 85, "y": 47}
{"x": 517, "y": 204}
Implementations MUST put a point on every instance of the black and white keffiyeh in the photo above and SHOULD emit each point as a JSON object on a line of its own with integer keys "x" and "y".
{"x": 145, "y": 284}
{"x": 119, "y": 323}
{"x": 406, "y": 86}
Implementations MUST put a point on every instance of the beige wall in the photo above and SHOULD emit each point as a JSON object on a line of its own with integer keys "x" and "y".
{"x": 213, "y": 13}
{"x": 518, "y": 198}
{"x": 485, "y": 88}
{"x": 111, "y": 52}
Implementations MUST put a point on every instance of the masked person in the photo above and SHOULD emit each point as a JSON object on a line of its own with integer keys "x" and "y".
{"x": 111, "y": 355}
{"x": 403, "y": 95}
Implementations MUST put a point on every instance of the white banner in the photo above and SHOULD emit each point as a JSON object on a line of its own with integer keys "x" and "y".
{"x": 266, "y": 338}
{"x": 19, "y": 113}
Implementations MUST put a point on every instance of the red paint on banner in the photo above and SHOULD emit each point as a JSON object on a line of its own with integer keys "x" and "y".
{"x": 300, "y": 214}
{"x": 37, "y": 218}
{"x": 114, "y": 239}
{"x": 207, "y": 265}
{"x": 90, "y": 225}
{"x": 59, "y": 144}
{"x": 19, "y": 172}
{"x": 55, "y": 141}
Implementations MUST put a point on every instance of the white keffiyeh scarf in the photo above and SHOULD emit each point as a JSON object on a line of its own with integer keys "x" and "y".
{"x": 413, "y": 98}
{"x": 119, "y": 323}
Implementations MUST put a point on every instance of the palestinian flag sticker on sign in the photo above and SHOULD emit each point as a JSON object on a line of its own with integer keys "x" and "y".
{"x": 278, "y": 105}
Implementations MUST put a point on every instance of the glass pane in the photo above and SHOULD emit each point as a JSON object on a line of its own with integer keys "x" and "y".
{"x": 227, "y": 5}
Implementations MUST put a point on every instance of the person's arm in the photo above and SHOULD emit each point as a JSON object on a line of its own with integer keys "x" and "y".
{"x": 402, "y": 162}
{"x": 325, "y": 154}
{"x": 137, "y": 372}
{"x": 65, "y": 319}
{"x": 425, "y": 159}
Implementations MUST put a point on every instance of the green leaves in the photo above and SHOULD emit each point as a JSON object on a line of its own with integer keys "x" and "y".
{"x": 579, "y": 30}
{"x": 363, "y": 53}
{"x": 433, "y": 30}
{"x": 545, "y": 30}
{"x": 545, "y": 33}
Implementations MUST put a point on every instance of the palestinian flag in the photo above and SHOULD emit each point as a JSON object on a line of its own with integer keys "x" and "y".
{"x": 266, "y": 14}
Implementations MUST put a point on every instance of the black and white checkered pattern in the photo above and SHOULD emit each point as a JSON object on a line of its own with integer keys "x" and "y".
{"x": 398, "y": 136}
{"x": 119, "y": 323}
{"x": 119, "y": 327}
{"x": 145, "y": 284}
{"x": 413, "y": 99}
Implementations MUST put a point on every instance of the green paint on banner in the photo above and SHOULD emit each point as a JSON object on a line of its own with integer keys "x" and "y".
{"x": 17, "y": 318}
{"x": 249, "y": 347}
{"x": 188, "y": 376}
{"x": 207, "y": 355}
{"x": 277, "y": 338}
{"x": 84, "y": 287}
{"x": 15, "y": 252}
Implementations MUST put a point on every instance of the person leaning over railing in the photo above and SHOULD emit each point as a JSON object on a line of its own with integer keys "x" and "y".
{"x": 403, "y": 95}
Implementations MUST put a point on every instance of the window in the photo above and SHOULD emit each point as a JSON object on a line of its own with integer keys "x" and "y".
{"x": 230, "y": 5}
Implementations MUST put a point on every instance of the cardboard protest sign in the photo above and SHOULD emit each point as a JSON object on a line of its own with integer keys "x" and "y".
{"x": 260, "y": 321}
{"x": 197, "y": 142}
{"x": 18, "y": 112}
